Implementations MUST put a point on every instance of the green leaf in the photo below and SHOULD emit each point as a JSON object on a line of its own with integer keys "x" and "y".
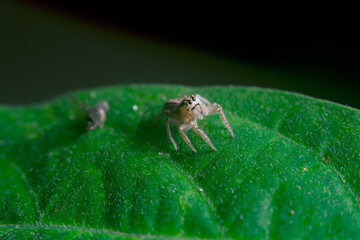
{"x": 293, "y": 170}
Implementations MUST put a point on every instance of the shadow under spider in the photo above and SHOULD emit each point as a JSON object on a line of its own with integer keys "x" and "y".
{"x": 156, "y": 137}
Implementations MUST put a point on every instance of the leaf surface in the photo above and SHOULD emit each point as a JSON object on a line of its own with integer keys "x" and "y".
{"x": 291, "y": 172}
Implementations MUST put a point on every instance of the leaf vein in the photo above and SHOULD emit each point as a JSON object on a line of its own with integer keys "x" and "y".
{"x": 323, "y": 160}
{"x": 200, "y": 192}
{"x": 27, "y": 183}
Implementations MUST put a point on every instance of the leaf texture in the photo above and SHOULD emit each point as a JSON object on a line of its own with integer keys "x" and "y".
{"x": 291, "y": 172}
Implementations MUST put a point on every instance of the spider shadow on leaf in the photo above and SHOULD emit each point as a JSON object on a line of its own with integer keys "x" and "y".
{"x": 155, "y": 137}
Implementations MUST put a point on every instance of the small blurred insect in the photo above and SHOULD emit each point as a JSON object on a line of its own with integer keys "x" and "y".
{"x": 184, "y": 111}
{"x": 96, "y": 115}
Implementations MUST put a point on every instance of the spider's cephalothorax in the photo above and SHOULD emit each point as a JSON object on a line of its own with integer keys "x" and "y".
{"x": 184, "y": 111}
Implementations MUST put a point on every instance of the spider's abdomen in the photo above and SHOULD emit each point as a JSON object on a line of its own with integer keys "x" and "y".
{"x": 172, "y": 109}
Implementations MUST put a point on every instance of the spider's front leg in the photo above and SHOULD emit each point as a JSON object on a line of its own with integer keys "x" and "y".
{"x": 168, "y": 131}
{"x": 200, "y": 132}
{"x": 183, "y": 135}
{"x": 215, "y": 107}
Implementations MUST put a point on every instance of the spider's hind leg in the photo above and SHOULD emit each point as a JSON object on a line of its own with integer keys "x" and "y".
{"x": 157, "y": 118}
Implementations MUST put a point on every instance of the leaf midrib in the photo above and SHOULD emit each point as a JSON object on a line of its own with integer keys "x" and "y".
{"x": 93, "y": 230}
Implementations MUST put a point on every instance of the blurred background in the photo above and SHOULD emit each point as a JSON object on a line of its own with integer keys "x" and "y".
{"x": 48, "y": 48}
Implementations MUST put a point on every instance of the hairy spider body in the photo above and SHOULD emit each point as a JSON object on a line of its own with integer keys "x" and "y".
{"x": 184, "y": 111}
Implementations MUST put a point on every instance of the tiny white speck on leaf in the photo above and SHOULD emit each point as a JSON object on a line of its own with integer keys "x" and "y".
{"x": 135, "y": 107}
{"x": 93, "y": 94}
{"x": 292, "y": 211}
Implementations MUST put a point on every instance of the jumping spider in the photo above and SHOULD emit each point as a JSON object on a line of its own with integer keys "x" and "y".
{"x": 183, "y": 112}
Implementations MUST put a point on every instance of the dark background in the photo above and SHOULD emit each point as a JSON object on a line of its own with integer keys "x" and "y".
{"x": 310, "y": 52}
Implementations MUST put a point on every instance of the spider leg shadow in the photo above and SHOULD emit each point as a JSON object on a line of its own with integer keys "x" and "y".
{"x": 153, "y": 135}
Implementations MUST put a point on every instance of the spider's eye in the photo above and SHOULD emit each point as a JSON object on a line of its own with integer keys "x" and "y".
{"x": 190, "y": 101}
{"x": 193, "y": 98}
